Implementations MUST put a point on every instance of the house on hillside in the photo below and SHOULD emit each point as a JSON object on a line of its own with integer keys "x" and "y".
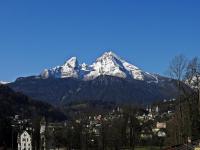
{"x": 24, "y": 141}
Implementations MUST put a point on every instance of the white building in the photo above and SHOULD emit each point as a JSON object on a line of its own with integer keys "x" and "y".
{"x": 24, "y": 141}
{"x": 161, "y": 125}
{"x": 161, "y": 134}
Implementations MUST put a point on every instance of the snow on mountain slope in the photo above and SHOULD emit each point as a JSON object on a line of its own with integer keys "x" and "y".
{"x": 194, "y": 81}
{"x": 3, "y": 82}
{"x": 69, "y": 69}
{"x": 108, "y": 64}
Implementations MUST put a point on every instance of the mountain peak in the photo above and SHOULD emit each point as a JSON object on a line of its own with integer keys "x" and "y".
{"x": 72, "y": 62}
{"x": 108, "y": 64}
{"x": 72, "y": 59}
{"x": 109, "y": 55}
{"x": 69, "y": 69}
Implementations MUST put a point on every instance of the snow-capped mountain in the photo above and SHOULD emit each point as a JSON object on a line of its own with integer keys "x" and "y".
{"x": 69, "y": 69}
{"x": 109, "y": 78}
{"x": 108, "y": 64}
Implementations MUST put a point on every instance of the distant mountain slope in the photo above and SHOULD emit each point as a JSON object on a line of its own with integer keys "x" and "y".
{"x": 12, "y": 103}
{"x": 49, "y": 90}
{"x": 106, "y": 88}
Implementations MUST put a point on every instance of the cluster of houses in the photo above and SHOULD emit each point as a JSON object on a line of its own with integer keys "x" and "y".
{"x": 94, "y": 123}
{"x": 25, "y": 132}
{"x": 157, "y": 126}
{"x": 93, "y": 126}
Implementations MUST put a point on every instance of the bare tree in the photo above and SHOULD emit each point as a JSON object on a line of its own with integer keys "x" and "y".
{"x": 177, "y": 70}
{"x": 192, "y": 77}
{"x": 187, "y": 116}
{"x": 177, "y": 67}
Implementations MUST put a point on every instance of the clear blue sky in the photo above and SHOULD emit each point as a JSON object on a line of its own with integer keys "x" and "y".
{"x": 38, "y": 34}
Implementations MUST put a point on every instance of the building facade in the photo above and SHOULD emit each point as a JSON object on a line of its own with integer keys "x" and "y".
{"x": 24, "y": 141}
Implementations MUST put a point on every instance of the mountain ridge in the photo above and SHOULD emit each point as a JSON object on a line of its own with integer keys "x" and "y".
{"x": 107, "y": 64}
